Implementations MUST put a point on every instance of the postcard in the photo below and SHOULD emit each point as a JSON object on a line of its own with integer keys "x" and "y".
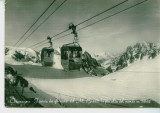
{"x": 82, "y": 54}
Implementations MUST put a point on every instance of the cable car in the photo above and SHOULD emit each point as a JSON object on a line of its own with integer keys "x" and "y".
{"x": 71, "y": 56}
{"x": 47, "y": 56}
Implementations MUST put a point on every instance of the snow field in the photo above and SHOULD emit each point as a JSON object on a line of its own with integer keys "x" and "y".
{"x": 130, "y": 83}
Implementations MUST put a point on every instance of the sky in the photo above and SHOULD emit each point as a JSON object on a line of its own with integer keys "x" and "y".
{"x": 113, "y": 35}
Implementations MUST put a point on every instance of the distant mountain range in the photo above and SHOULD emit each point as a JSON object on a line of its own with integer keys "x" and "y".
{"x": 130, "y": 55}
{"x": 94, "y": 64}
{"x": 15, "y": 55}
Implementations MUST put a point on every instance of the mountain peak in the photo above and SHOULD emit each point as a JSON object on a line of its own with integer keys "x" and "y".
{"x": 130, "y": 55}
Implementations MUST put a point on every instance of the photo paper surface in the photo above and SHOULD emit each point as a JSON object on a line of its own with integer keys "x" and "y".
{"x": 82, "y": 54}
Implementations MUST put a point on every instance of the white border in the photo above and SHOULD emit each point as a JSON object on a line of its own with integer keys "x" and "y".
{"x": 1, "y": 54}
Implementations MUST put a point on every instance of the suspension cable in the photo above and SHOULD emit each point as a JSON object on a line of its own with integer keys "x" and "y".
{"x": 43, "y": 21}
{"x": 101, "y": 20}
{"x": 83, "y": 21}
{"x": 35, "y": 22}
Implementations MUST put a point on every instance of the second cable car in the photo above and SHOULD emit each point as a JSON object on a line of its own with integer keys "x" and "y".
{"x": 47, "y": 54}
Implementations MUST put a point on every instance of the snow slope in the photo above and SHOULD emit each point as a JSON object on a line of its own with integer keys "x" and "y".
{"x": 138, "y": 81}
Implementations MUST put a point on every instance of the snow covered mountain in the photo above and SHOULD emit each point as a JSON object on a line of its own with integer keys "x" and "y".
{"x": 91, "y": 66}
{"x": 101, "y": 55}
{"x": 94, "y": 64}
{"x": 15, "y": 55}
{"x": 130, "y": 55}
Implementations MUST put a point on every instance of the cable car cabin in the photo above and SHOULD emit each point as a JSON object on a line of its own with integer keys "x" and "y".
{"x": 47, "y": 56}
{"x": 71, "y": 56}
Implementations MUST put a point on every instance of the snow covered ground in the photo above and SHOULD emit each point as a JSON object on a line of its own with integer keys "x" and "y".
{"x": 138, "y": 81}
{"x": 57, "y": 59}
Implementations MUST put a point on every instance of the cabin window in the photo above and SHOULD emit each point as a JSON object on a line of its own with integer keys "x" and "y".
{"x": 45, "y": 53}
{"x": 75, "y": 54}
{"x": 65, "y": 55}
{"x": 48, "y": 54}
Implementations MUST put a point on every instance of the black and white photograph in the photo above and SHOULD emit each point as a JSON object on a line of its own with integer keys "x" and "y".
{"x": 82, "y": 54}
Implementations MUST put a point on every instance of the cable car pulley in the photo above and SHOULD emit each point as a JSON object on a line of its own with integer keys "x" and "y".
{"x": 73, "y": 28}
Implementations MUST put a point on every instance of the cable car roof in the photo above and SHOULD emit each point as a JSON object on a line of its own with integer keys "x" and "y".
{"x": 47, "y": 49}
{"x": 71, "y": 46}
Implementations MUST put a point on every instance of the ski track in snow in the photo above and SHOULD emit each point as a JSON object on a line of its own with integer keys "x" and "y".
{"x": 137, "y": 81}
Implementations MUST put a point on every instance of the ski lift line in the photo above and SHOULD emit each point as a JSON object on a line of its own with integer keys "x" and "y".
{"x": 84, "y": 21}
{"x": 53, "y": 40}
{"x": 102, "y": 19}
{"x": 94, "y": 16}
{"x": 40, "y": 45}
{"x": 102, "y": 12}
{"x": 63, "y": 36}
{"x": 37, "y": 43}
{"x": 43, "y": 21}
{"x": 51, "y": 37}
{"x": 105, "y": 18}
{"x": 112, "y": 15}
{"x": 35, "y": 21}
